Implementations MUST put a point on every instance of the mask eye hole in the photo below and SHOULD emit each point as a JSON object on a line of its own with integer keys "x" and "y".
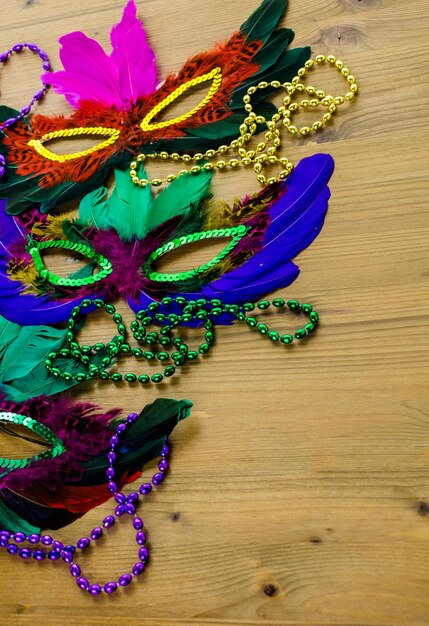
{"x": 215, "y": 76}
{"x": 235, "y": 234}
{"x": 34, "y": 248}
{"x": 111, "y": 135}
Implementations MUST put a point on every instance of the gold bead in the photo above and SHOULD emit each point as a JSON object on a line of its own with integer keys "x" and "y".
{"x": 257, "y": 167}
{"x": 175, "y": 156}
{"x": 309, "y": 64}
{"x": 195, "y": 169}
{"x": 353, "y": 87}
{"x": 186, "y": 158}
{"x": 246, "y": 99}
{"x": 164, "y": 155}
{"x": 251, "y": 154}
{"x": 272, "y": 180}
{"x": 320, "y": 93}
{"x": 183, "y": 173}
{"x": 314, "y": 102}
{"x": 233, "y": 162}
{"x": 143, "y": 182}
{"x": 339, "y": 64}
{"x": 234, "y": 144}
{"x": 170, "y": 178}
{"x": 292, "y": 129}
{"x": 135, "y": 180}
{"x": 351, "y": 79}
{"x": 243, "y": 128}
{"x": 248, "y": 108}
{"x": 133, "y": 165}
{"x": 283, "y": 175}
{"x": 210, "y": 153}
{"x": 305, "y": 130}
{"x": 246, "y": 161}
{"x": 294, "y": 106}
{"x": 141, "y": 158}
{"x": 310, "y": 90}
{"x": 276, "y": 118}
{"x": 272, "y": 160}
{"x": 251, "y": 90}
{"x": 133, "y": 173}
{"x": 277, "y": 142}
{"x": 300, "y": 87}
{"x": 276, "y": 84}
{"x": 261, "y": 146}
{"x": 327, "y": 117}
{"x": 339, "y": 100}
{"x": 208, "y": 166}
{"x": 305, "y": 103}
{"x": 316, "y": 125}
{"x": 331, "y": 59}
{"x": 302, "y": 71}
{"x": 295, "y": 81}
{"x": 261, "y": 179}
{"x": 222, "y": 149}
{"x": 198, "y": 156}
{"x": 320, "y": 58}
{"x": 332, "y": 107}
{"x": 349, "y": 96}
{"x": 263, "y": 84}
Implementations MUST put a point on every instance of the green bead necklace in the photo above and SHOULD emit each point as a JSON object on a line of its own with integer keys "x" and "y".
{"x": 172, "y": 349}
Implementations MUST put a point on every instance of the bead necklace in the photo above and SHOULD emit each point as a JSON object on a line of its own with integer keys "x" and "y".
{"x": 18, "y": 47}
{"x": 264, "y": 154}
{"x": 53, "y": 550}
{"x": 202, "y": 310}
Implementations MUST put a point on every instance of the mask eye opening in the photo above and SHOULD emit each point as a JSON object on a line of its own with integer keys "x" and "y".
{"x": 112, "y": 135}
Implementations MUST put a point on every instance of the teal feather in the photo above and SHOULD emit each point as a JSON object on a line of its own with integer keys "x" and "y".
{"x": 9, "y": 520}
{"x": 264, "y": 20}
{"x": 273, "y": 49}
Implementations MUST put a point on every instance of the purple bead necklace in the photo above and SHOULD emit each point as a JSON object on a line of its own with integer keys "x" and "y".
{"x": 18, "y": 47}
{"x": 56, "y": 550}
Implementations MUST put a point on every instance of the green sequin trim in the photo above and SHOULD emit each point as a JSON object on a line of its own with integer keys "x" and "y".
{"x": 41, "y": 430}
{"x": 34, "y": 248}
{"x": 237, "y": 233}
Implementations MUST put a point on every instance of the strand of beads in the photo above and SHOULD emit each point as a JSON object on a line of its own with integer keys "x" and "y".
{"x": 266, "y": 152}
{"x": 202, "y": 311}
{"x": 18, "y": 47}
{"x": 54, "y": 550}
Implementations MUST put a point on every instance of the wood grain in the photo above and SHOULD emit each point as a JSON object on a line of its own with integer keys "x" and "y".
{"x": 300, "y": 487}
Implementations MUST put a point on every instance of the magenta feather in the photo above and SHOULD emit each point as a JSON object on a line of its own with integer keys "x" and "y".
{"x": 91, "y": 74}
{"x": 133, "y": 56}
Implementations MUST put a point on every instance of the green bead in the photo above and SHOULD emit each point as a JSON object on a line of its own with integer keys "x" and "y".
{"x": 98, "y": 346}
{"x": 143, "y": 379}
{"x": 80, "y": 377}
{"x": 85, "y": 349}
{"x": 134, "y": 326}
{"x": 157, "y": 378}
{"x": 48, "y": 363}
{"x": 153, "y": 306}
{"x": 99, "y": 303}
{"x": 314, "y": 317}
{"x": 241, "y": 317}
{"x": 216, "y": 302}
{"x": 130, "y": 377}
{"x": 204, "y": 347}
{"x": 216, "y": 311}
{"x": 187, "y": 317}
{"x": 93, "y": 369}
{"x": 74, "y": 345}
{"x": 209, "y": 337}
{"x": 232, "y": 308}
{"x": 106, "y": 361}
{"x": 201, "y": 315}
{"x": 146, "y": 321}
{"x": 70, "y": 323}
{"x": 293, "y": 304}
{"x": 192, "y": 355}
{"x": 306, "y": 308}
{"x": 201, "y": 302}
{"x": 179, "y": 360}
{"x": 300, "y": 333}
{"x": 116, "y": 377}
{"x": 169, "y": 371}
{"x": 181, "y": 300}
{"x": 177, "y": 341}
{"x": 86, "y": 303}
{"x": 64, "y": 352}
{"x": 137, "y": 351}
{"x": 125, "y": 348}
{"x": 85, "y": 359}
{"x": 188, "y": 309}
{"x": 165, "y": 341}
{"x": 163, "y": 356}
{"x": 274, "y": 335}
{"x": 167, "y": 301}
{"x": 310, "y": 328}
{"x": 208, "y": 325}
{"x": 110, "y": 309}
{"x": 141, "y": 314}
{"x": 278, "y": 302}
{"x": 148, "y": 355}
{"x": 117, "y": 318}
{"x": 173, "y": 318}
{"x": 286, "y": 339}
{"x": 183, "y": 348}
{"x": 262, "y": 328}
{"x": 252, "y": 322}
{"x": 248, "y": 306}
{"x": 76, "y": 354}
{"x": 121, "y": 329}
{"x": 160, "y": 317}
{"x": 263, "y": 304}
{"x": 52, "y": 355}
{"x": 70, "y": 336}
{"x": 67, "y": 376}
{"x": 166, "y": 330}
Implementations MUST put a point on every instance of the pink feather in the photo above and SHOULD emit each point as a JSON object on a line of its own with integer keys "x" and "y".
{"x": 133, "y": 56}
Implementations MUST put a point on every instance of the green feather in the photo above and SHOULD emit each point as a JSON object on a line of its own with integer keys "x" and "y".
{"x": 9, "y": 520}
{"x": 93, "y": 209}
{"x": 130, "y": 207}
{"x": 273, "y": 49}
{"x": 264, "y": 20}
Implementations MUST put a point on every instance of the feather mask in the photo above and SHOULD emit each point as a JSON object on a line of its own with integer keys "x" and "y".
{"x": 118, "y": 97}
{"x": 124, "y": 235}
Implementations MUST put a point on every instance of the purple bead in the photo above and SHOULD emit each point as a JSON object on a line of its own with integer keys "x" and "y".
{"x": 133, "y": 497}
{"x": 112, "y": 487}
{"x": 94, "y": 590}
{"x": 82, "y": 582}
{"x": 5, "y": 534}
{"x": 25, "y": 553}
{"x": 120, "y": 510}
{"x": 83, "y": 543}
{"x": 46, "y": 65}
{"x": 163, "y": 465}
{"x": 26, "y": 110}
{"x": 2, "y": 165}
{"x": 125, "y": 580}
{"x": 165, "y": 450}
{"x": 111, "y": 458}
{"x": 130, "y": 508}
{"x": 143, "y": 554}
{"x": 110, "y": 473}
{"x": 17, "y": 47}
{"x": 121, "y": 428}
{"x": 145, "y": 489}
{"x": 138, "y": 523}
{"x": 19, "y": 537}
{"x": 114, "y": 441}
{"x": 157, "y": 478}
{"x": 141, "y": 537}
{"x": 57, "y": 545}
{"x": 110, "y": 587}
{"x": 39, "y": 555}
{"x": 33, "y": 538}
{"x": 3, "y": 543}
{"x": 12, "y": 548}
{"x": 132, "y": 417}
{"x": 75, "y": 570}
{"x": 46, "y": 540}
{"x": 66, "y": 556}
{"x": 43, "y": 55}
{"x": 70, "y": 549}
{"x": 120, "y": 498}
{"x": 39, "y": 95}
{"x": 4, "y": 57}
{"x": 33, "y": 47}
{"x": 96, "y": 533}
{"x": 108, "y": 521}
{"x": 54, "y": 555}
{"x": 138, "y": 568}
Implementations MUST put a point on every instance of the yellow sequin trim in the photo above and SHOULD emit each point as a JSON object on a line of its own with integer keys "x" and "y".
{"x": 37, "y": 144}
{"x": 215, "y": 75}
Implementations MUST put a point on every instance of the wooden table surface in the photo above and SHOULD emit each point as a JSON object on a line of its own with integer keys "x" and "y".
{"x": 300, "y": 486}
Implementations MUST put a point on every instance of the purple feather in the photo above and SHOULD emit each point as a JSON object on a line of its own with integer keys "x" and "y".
{"x": 91, "y": 74}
